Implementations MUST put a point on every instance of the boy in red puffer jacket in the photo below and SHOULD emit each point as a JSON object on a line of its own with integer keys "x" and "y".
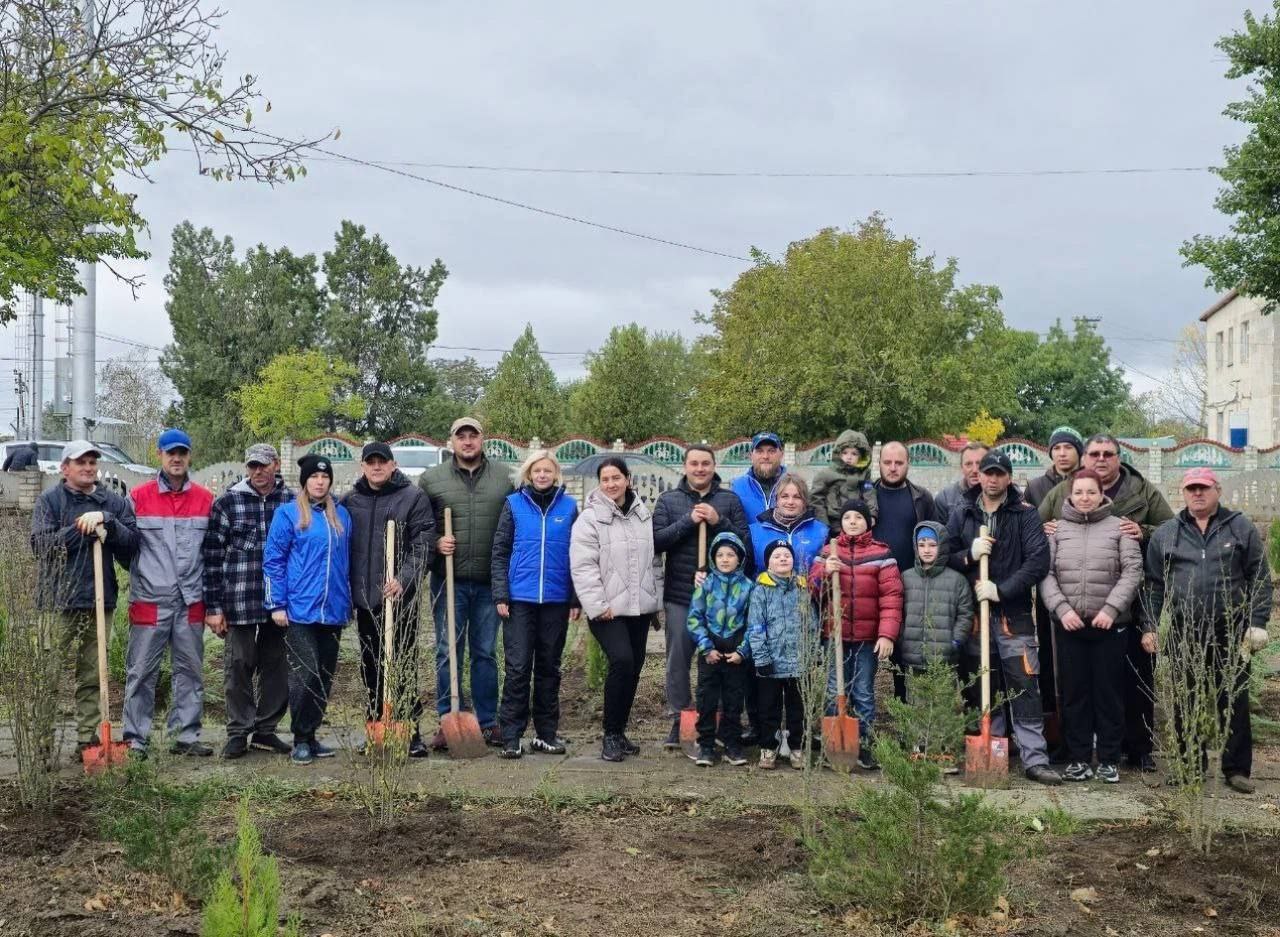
{"x": 870, "y": 614}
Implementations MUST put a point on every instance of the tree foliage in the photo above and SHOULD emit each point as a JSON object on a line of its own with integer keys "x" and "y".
{"x": 85, "y": 103}
{"x": 852, "y": 328}
{"x": 1067, "y": 380}
{"x": 381, "y": 318}
{"x": 135, "y": 390}
{"x": 523, "y": 399}
{"x": 299, "y": 395}
{"x": 1249, "y": 256}
{"x": 635, "y": 386}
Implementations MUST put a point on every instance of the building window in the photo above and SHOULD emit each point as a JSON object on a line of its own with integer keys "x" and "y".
{"x": 1221, "y": 434}
{"x": 1217, "y": 350}
{"x": 1231, "y": 346}
{"x": 1244, "y": 342}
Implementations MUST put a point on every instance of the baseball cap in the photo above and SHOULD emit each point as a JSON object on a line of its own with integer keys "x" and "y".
{"x": 173, "y": 439}
{"x": 77, "y": 448}
{"x": 1199, "y": 476}
{"x": 379, "y": 449}
{"x": 766, "y": 436}
{"x": 260, "y": 454}
{"x": 996, "y": 461}
{"x": 466, "y": 422}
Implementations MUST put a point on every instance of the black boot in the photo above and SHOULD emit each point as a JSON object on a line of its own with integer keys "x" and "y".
{"x": 611, "y": 748}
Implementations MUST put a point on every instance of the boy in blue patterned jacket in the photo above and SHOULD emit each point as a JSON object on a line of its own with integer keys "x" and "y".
{"x": 718, "y": 623}
{"x": 779, "y": 620}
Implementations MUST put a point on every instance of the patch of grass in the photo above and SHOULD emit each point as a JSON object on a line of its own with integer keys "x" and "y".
{"x": 552, "y": 796}
{"x": 1060, "y": 822}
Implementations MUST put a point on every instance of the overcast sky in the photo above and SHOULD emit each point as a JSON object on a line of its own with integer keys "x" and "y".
{"x": 860, "y": 87}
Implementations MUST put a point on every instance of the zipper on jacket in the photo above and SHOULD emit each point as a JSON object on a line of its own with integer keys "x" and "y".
{"x": 328, "y": 566}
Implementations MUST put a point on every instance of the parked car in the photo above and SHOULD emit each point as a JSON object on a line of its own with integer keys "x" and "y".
{"x": 414, "y": 460}
{"x": 50, "y": 456}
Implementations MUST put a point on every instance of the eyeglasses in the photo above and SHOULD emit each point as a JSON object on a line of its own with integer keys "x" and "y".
{"x": 1101, "y": 455}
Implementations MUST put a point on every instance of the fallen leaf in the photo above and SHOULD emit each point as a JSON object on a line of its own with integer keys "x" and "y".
{"x": 1139, "y": 865}
{"x": 95, "y": 904}
{"x": 1085, "y": 895}
{"x": 1210, "y": 912}
{"x": 1112, "y": 932}
{"x": 1153, "y": 851}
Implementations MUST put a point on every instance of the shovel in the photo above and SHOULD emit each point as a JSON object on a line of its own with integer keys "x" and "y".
{"x": 840, "y": 739}
{"x": 689, "y": 717}
{"x": 106, "y": 754}
{"x": 986, "y": 757}
{"x": 385, "y": 731}
{"x": 461, "y": 729}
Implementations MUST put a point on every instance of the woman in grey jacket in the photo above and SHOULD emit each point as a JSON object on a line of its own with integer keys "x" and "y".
{"x": 620, "y": 589}
{"x": 1094, "y": 575}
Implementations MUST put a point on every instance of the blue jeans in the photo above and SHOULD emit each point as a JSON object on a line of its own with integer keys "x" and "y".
{"x": 860, "y": 663}
{"x": 476, "y": 620}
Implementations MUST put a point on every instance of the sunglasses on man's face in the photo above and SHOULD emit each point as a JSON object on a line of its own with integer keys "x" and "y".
{"x": 1101, "y": 455}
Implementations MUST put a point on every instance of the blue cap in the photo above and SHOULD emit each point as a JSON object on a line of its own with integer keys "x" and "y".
{"x": 173, "y": 439}
{"x": 760, "y": 439}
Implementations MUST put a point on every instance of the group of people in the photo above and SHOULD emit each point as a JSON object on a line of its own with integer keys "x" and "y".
{"x": 743, "y": 576}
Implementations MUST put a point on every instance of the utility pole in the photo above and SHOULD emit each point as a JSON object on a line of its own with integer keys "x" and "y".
{"x": 36, "y": 420}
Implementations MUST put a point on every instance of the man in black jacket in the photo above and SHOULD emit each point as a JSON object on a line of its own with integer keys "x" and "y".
{"x": 22, "y": 457}
{"x": 1019, "y": 559}
{"x": 698, "y": 499}
{"x": 66, "y": 519}
{"x": 383, "y": 493}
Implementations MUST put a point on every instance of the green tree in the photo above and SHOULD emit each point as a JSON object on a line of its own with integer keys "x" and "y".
{"x": 381, "y": 318}
{"x": 852, "y": 328}
{"x": 1067, "y": 380}
{"x": 459, "y": 384}
{"x": 523, "y": 399}
{"x": 299, "y": 395}
{"x": 83, "y": 104}
{"x": 1249, "y": 256}
{"x": 229, "y": 319}
{"x": 629, "y": 391}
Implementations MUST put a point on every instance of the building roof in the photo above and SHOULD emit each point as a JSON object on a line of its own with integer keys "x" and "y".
{"x": 1219, "y": 305}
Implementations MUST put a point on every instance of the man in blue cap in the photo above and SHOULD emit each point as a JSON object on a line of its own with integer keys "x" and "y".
{"x": 166, "y": 600}
{"x": 755, "y": 487}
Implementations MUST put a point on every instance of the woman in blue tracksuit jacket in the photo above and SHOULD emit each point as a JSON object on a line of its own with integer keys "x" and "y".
{"x": 533, "y": 591}
{"x": 305, "y": 568}
{"x": 790, "y": 519}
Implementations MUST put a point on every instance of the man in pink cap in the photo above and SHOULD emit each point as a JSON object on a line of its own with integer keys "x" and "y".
{"x": 1207, "y": 569}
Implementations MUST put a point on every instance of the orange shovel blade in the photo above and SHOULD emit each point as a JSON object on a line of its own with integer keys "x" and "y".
{"x": 462, "y": 735}
{"x": 840, "y": 741}
{"x": 689, "y": 732}
{"x": 106, "y": 754}
{"x": 986, "y": 756}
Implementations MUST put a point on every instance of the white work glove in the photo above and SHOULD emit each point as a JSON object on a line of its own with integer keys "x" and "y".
{"x": 986, "y": 591}
{"x": 91, "y": 521}
{"x": 981, "y": 547}
{"x": 1255, "y": 639}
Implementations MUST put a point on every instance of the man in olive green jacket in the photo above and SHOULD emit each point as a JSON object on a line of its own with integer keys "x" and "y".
{"x": 475, "y": 489}
{"x": 1142, "y": 508}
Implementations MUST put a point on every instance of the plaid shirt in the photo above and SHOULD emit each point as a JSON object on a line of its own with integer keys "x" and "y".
{"x": 233, "y": 583}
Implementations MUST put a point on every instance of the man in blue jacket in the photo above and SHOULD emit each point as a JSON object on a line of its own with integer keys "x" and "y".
{"x": 755, "y": 487}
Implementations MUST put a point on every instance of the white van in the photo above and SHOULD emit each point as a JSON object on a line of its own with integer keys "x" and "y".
{"x": 414, "y": 460}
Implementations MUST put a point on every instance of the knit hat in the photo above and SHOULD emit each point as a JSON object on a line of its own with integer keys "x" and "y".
{"x": 1068, "y": 435}
{"x": 857, "y": 504}
{"x": 309, "y": 465}
{"x": 777, "y": 545}
{"x": 927, "y": 533}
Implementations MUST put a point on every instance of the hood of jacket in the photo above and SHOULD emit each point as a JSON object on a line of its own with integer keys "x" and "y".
{"x": 1073, "y": 514}
{"x": 397, "y": 481}
{"x": 733, "y": 540}
{"x": 943, "y": 547}
{"x": 851, "y": 437}
{"x": 606, "y": 509}
{"x": 785, "y": 583}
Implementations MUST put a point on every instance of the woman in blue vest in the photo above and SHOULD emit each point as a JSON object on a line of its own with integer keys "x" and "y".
{"x": 533, "y": 591}
{"x": 790, "y": 519}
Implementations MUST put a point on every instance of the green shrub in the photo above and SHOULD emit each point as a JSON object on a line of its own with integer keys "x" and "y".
{"x": 156, "y": 823}
{"x": 246, "y": 900}
{"x": 597, "y": 664}
{"x": 913, "y": 851}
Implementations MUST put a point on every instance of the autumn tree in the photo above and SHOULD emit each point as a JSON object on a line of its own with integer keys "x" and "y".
{"x": 523, "y": 399}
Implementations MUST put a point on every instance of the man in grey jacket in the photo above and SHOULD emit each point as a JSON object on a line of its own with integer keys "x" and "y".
{"x": 951, "y": 497}
{"x": 383, "y": 493}
{"x": 1207, "y": 570}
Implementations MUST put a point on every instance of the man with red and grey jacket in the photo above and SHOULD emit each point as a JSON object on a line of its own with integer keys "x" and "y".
{"x": 166, "y": 599}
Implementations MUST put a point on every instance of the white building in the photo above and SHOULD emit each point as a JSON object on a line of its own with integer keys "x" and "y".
{"x": 1243, "y": 372}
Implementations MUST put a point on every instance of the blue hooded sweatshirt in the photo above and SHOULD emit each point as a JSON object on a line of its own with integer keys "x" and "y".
{"x": 718, "y": 609}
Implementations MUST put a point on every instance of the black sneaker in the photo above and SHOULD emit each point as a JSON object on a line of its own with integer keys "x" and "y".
{"x": 750, "y": 736}
{"x": 673, "y": 737}
{"x": 237, "y": 747}
{"x": 511, "y": 750}
{"x": 733, "y": 754}
{"x": 302, "y": 754}
{"x": 492, "y": 736}
{"x": 193, "y": 749}
{"x": 322, "y": 751}
{"x": 706, "y": 756}
{"x": 611, "y": 748}
{"x": 628, "y": 747}
{"x": 1077, "y": 771}
{"x": 417, "y": 747}
{"x": 867, "y": 761}
{"x": 270, "y": 742}
{"x": 1241, "y": 783}
{"x": 552, "y": 746}
{"x": 1108, "y": 773}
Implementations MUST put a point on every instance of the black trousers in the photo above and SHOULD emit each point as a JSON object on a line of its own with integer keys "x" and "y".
{"x": 751, "y": 696}
{"x": 1139, "y": 697}
{"x": 623, "y": 641}
{"x": 313, "y": 657}
{"x": 775, "y": 692}
{"x": 1092, "y": 665}
{"x": 533, "y": 639}
{"x": 255, "y": 651}
{"x": 406, "y": 701}
{"x": 720, "y": 686}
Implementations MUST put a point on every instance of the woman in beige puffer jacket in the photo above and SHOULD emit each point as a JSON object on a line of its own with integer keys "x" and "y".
{"x": 1095, "y": 571}
{"x": 619, "y": 584}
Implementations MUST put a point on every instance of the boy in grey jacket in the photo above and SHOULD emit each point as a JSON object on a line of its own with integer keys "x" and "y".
{"x": 937, "y": 611}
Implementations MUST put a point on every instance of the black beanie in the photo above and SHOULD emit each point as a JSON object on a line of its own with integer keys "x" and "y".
{"x": 1068, "y": 435}
{"x": 778, "y": 545}
{"x": 309, "y": 465}
{"x": 857, "y": 504}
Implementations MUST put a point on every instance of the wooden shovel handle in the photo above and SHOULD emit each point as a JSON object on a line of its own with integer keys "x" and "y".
{"x": 388, "y": 615}
{"x": 100, "y": 612}
{"x": 984, "y": 637}
{"x": 702, "y": 546}
{"x": 837, "y": 627}
{"x": 455, "y": 692}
